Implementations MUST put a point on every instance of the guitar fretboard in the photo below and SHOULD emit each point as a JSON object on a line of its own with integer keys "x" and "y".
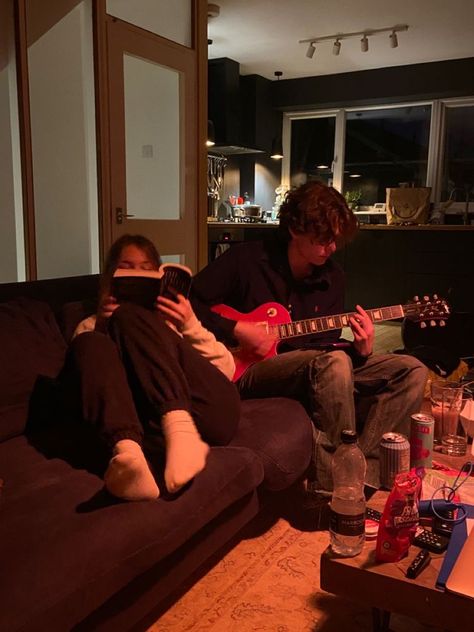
{"x": 326, "y": 323}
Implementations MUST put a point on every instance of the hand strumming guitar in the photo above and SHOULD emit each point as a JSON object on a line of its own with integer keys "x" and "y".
{"x": 253, "y": 339}
{"x": 363, "y": 330}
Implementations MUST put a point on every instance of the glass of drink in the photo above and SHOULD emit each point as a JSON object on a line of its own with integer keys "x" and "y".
{"x": 454, "y": 438}
{"x": 442, "y": 395}
{"x": 467, "y": 417}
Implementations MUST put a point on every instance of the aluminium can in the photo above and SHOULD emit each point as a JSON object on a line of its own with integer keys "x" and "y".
{"x": 394, "y": 457}
{"x": 421, "y": 440}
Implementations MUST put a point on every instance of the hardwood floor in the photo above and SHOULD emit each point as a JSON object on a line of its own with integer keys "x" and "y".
{"x": 388, "y": 336}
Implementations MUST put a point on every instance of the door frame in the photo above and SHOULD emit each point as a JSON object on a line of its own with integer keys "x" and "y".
{"x": 198, "y": 57}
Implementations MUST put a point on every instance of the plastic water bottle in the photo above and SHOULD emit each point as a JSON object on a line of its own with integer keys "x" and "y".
{"x": 347, "y": 522}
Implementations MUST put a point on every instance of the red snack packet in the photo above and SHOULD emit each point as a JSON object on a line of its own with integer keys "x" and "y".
{"x": 399, "y": 519}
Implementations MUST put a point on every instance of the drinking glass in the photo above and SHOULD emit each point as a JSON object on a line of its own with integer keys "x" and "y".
{"x": 443, "y": 394}
{"x": 454, "y": 438}
{"x": 467, "y": 417}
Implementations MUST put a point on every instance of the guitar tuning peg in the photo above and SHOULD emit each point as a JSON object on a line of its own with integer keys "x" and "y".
{"x": 432, "y": 323}
{"x": 422, "y": 324}
{"x": 442, "y": 323}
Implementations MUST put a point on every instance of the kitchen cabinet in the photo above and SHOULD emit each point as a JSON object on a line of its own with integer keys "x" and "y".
{"x": 388, "y": 265}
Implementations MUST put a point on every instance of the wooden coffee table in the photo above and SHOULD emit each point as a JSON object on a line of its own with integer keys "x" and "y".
{"x": 384, "y": 587}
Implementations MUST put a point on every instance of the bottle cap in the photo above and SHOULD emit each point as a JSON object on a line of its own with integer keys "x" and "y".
{"x": 348, "y": 436}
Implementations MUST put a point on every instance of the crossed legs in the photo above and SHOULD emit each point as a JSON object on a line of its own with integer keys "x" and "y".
{"x": 144, "y": 381}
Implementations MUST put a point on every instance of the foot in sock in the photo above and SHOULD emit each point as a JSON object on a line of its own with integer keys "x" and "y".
{"x": 186, "y": 452}
{"x": 128, "y": 475}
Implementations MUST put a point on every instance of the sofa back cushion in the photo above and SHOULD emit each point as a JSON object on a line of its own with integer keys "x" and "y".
{"x": 31, "y": 346}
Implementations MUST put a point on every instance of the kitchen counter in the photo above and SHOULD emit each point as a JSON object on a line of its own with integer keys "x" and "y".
{"x": 376, "y": 227}
{"x": 429, "y": 227}
{"x": 221, "y": 225}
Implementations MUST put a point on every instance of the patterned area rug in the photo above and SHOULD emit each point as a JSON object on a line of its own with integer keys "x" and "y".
{"x": 270, "y": 582}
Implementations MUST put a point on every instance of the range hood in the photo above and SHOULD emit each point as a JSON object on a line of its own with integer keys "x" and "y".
{"x": 231, "y": 109}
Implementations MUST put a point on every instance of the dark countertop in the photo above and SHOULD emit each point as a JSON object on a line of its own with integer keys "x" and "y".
{"x": 378, "y": 227}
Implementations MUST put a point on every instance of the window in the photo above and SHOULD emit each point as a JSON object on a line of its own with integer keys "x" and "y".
{"x": 312, "y": 149}
{"x": 362, "y": 151}
{"x": 386, "y": 148}
{"x": 457, "y": 172}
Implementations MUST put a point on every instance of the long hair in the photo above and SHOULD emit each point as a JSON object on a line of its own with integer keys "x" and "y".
{"x": 316, "y": 208}
{"x": 115, "y": 252}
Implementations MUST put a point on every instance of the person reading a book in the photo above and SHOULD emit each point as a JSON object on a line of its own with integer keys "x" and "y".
{"x": 342, "y": 384}
{"x": 148, "y": 377}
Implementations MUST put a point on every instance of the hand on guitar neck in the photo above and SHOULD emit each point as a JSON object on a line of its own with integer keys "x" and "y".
{"x": 254, "y": 339}
{"x": 363, "y": 330}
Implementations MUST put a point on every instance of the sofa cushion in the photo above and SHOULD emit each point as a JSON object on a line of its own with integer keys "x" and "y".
{"x": 280, "y": 432}
{"x": 31, "y": 346}
{"x": 67, "y": 546}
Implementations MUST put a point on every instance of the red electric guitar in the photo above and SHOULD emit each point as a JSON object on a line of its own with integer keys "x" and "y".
{"x": 277, "y": 321}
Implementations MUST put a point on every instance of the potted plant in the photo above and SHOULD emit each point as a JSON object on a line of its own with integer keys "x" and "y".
{"x": 353, "y": 198}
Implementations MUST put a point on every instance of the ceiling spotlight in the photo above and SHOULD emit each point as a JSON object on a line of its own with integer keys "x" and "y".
{"x": 355, "y": 175}
{"x": 393, "y": 40}
{"x": 336, "y": 49}
{"x": 322, "y": 166}
{"x": 311, "y": 50}
{"x": 364, "y": 44}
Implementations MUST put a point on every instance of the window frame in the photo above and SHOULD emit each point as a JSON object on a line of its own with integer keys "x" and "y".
{"x": 435, "y": 146}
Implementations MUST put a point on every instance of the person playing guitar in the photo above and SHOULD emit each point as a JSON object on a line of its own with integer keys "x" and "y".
{"x": 342, "y": 384}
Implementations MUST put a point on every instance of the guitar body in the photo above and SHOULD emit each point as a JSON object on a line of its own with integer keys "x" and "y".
{"x": 266, "y": 315}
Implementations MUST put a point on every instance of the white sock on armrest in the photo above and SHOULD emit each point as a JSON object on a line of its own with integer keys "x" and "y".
{"x": 186, "y": 452}
{"x": 128, "y": 475}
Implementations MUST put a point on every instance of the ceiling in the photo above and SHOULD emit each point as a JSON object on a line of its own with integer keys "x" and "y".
{"x": 263, "y": 35}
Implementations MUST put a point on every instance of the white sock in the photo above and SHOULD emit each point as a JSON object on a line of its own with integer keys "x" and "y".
{"x": 186, "y": 452}
{"x": 128, "y": 475}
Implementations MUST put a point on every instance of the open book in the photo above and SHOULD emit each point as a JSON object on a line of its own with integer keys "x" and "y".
{"x": 143, "y": 286}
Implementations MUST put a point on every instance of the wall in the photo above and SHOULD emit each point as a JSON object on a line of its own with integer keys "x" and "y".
{"x": 385, "y": 85}
{"x": 63, "y": 143}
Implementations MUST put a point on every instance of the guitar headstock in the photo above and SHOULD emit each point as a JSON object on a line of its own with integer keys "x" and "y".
{"x": 428, "y": 310}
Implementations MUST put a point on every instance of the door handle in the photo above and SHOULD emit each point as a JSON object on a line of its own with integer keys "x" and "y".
{"x": 119, "y": 215}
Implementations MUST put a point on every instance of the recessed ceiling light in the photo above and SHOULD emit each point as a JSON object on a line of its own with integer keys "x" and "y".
{"x": 322, "y": 166}
{"x": 355, "y": 175}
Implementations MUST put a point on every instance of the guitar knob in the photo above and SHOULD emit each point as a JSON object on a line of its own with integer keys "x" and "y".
{"x": 435, "y": 296}
{"x": 422, "y": 325}
{"x": 432, "y": 323}
{"x": 442, "y": 323}
{"x": 426, "y": 298}
{"x": 416, "y": 298}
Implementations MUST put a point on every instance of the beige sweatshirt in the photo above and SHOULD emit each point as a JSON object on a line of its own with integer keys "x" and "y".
{"x": 199, "y": 337}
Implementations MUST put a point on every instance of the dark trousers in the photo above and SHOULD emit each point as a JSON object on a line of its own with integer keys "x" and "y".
{"x": 123, "y": 381}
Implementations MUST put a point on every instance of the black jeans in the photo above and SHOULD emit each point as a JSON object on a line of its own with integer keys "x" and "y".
{"x": 123, "y": 382}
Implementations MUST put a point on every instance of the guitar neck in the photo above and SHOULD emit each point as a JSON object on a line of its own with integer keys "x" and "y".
{"x": 328, "y": 323}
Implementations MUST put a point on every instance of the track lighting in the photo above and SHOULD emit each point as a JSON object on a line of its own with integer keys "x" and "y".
{"x": 311, "y": 50}
{"x": 364, "y": 42}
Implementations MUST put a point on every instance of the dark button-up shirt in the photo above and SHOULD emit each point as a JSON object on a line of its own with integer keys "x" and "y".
{"x": 252, "y": 273}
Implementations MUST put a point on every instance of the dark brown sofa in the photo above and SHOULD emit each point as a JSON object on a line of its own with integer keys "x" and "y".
{"x": 74, "y": 558}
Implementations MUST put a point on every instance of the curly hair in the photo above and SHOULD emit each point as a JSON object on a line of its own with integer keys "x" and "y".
{"x": 115, "y": 252}
{"x": 316, "y": 208}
